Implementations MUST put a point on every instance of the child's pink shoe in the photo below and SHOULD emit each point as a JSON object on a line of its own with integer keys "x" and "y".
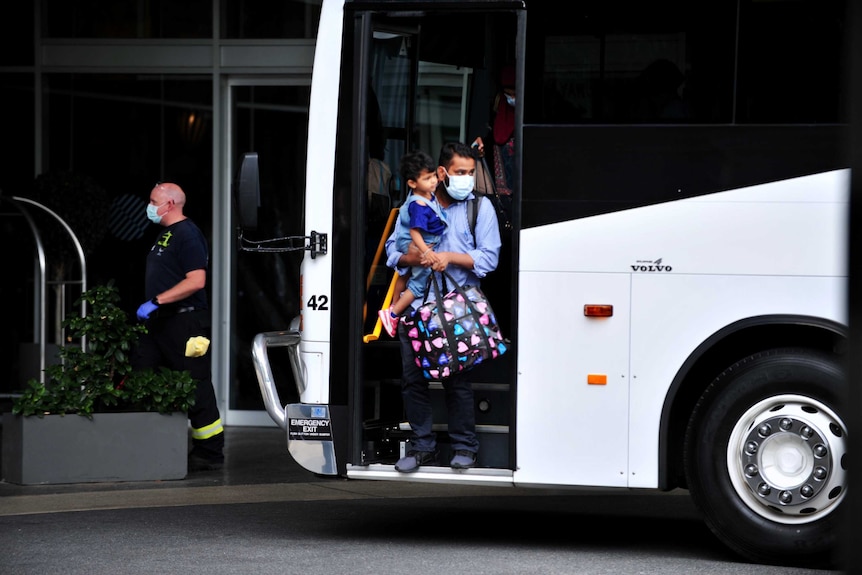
{"x": 390, "y": 324}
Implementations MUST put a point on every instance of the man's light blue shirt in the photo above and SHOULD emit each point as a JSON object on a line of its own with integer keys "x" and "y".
{"x": 458, "y": 239}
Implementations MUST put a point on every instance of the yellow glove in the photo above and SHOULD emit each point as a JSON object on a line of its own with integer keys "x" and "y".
{"x": 197, "y": 346}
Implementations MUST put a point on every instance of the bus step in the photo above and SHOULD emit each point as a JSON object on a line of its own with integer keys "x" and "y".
{"x": 477, "y": 386}
{"x": 493, "y": 444}
{"x": 443, "y": 428}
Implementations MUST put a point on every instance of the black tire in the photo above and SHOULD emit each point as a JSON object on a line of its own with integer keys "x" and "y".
{"x": 766, "y": 457}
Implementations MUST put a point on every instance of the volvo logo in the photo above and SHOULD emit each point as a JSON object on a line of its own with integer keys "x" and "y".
{"x": 650, "y": 266}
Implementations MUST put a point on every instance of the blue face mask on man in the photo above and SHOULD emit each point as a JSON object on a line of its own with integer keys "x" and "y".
{"x": 153, "y": 213}
{"x": 458, "y": 187}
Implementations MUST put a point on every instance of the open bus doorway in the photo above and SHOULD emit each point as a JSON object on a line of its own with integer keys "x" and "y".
{"x": 428, "y": 87}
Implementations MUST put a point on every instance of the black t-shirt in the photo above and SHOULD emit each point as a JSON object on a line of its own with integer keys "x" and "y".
{"x": 179, "y": 249}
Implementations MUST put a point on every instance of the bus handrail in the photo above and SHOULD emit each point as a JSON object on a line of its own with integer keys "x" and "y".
{"x": 378, "y": 327}
{"x": 262, "y": 342}
{"x": 387, "y": 229}
{"x": 390, "y": 222}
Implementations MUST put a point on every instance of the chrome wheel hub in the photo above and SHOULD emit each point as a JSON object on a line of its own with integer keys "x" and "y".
{"x": 787, "y": 459}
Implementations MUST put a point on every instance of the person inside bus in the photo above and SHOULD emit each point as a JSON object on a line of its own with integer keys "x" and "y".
{"x": 467, "y": 256}
{"x": 422, "y": 224}
{"x": 503, "y": 132}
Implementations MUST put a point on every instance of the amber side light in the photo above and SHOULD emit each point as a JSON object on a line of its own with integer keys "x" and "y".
{"x": 598, "y": 310}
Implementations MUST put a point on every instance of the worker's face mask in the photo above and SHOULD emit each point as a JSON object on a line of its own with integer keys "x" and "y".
{"x": 153, "y": 213}
{"x": 459, "y": 187}
{"x": 510, "y": 100}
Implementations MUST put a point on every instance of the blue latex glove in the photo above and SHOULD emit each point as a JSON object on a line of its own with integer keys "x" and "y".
{"x": 146, "y": 309}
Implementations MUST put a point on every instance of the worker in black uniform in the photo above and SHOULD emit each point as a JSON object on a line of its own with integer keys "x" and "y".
{"x": 177, "y": 317}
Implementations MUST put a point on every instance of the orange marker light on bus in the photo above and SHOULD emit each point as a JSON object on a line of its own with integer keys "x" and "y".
{"x": 597, "y": 379}
{"x": 598, "y": 310}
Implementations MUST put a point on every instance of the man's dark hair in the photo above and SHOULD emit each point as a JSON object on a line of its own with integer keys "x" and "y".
{"x": 452, "y": 149}
{"x": 413, "y": 163}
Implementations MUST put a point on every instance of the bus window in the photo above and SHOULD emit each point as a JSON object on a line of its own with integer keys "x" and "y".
{"x": 621, "y": 63}
{"x": 788, "y": 69}
{"x": 678, "y": 62}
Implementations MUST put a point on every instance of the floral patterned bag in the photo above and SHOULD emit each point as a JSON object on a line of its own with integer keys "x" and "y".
{"x": 455, "y": 336}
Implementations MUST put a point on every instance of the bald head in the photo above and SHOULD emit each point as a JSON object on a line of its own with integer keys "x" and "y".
{"x": 171, "y": 191}
{"x": 169, "y": 198}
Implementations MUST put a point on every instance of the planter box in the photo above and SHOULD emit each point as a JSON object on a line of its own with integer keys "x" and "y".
{"x": 135, "y": 446}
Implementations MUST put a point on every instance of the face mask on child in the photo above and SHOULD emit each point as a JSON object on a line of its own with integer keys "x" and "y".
{"x": 459, "y": 187}
{"x": 510, "y": 100}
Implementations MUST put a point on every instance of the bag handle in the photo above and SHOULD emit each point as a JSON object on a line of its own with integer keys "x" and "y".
{"x": 448, "y": 327}
{"x": 434, "y": 283}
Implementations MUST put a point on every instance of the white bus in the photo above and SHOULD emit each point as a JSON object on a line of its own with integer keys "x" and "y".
{"x": 681, "y": 165}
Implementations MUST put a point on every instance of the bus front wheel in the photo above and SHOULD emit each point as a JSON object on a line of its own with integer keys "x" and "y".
{"x": 766, "y": 457}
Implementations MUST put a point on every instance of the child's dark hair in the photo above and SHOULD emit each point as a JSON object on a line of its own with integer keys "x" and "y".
{"x": 414, "y": 163}
{"x": 452, "y": 149}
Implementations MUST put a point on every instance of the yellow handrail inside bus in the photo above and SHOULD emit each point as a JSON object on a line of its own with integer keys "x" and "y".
{"x": 390, "y": 222}
{"x": 375, "y": 334}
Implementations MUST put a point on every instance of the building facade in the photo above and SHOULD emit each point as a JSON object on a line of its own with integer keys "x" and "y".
{"x": 130, "y": 92}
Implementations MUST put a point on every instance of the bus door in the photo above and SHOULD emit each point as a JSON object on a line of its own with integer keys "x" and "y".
{"x": 418, "y": 84}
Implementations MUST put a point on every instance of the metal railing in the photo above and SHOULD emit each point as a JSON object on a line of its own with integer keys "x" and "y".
{"x": 40, "y": 306}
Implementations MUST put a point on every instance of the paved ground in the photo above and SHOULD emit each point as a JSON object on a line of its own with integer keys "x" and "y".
{"x": 263, "y": 514}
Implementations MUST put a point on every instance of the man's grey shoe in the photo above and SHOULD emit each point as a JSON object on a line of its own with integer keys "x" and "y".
{"x": 463, "y": 460}
{"x": 413, "y": 460}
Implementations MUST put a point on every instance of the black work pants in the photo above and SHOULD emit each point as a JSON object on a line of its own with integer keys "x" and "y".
{"x": 164, "y": 344}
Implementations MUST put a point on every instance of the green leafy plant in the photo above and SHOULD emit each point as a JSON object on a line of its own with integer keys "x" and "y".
{"x": 99, "y": 377}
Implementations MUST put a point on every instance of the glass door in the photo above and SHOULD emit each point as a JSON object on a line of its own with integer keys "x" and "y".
{"x": 269, "y": 117}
